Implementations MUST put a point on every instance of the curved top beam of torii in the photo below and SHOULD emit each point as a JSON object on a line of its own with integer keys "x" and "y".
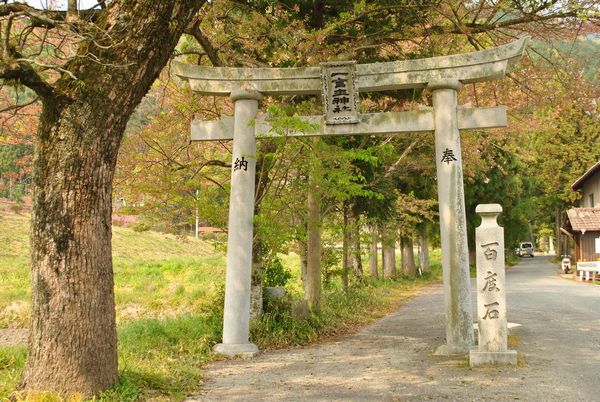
{"x": 471, "y": 67}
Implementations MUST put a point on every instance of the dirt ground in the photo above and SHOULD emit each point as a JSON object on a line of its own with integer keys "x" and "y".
{"x": 13, "y": 337}
{"x": 392, "y": 359}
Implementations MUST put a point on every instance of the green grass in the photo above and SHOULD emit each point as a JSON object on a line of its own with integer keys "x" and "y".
{"x": 365, "y": 301}
{"x": 165, "y": 290}
{"x": 169, "y": 297}
{"x": 12, "y": 360}
{"x": 155, "y": 273}
{"x": 14, "y": 270}
{"x": 512, "y": 259}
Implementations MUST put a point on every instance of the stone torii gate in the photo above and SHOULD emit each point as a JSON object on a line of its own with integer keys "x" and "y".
{"x": 339, "y": 84}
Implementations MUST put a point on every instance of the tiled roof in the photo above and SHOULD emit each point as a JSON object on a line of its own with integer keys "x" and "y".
{"x": 587, "y": 219}
{"x": 579, "y": 182}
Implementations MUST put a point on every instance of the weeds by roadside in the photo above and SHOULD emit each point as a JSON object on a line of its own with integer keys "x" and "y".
{"x": 163, "y": 357}
{"x": 169, "y": 298}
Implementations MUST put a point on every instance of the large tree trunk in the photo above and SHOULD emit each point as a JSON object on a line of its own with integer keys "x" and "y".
{"x": 256, "y": 288}
{"x": 424, "y": 243}
{"x": 402, "y": 253}
{"x": 560, "y": 243}
{"x": 312, "y": 285}
{"x": 303, "y": 262}
{"x": 388, "y": 251}
{"x": 408, "y": 257}
{"x": 373, "y": 268}
{"x": 356, "y": 255}
{"x": 345, "y": 250}
{"x": 72, "y": 338}
{"x": 262, "y": 180}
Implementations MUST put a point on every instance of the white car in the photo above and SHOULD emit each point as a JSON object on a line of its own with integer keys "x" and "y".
{"x": 525, "y": 249}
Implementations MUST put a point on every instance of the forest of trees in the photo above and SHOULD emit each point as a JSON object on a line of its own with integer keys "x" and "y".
{"x": 72, "y": 80}
{"x": 386, "y": 184}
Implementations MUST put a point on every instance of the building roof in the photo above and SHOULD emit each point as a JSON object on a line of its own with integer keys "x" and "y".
{"x": 579, "y": 182}
{"x": 584, "y": 219}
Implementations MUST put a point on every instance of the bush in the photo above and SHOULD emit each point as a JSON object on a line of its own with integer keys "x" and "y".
{"x": 274, "y": 273}
{"x": 140, "y": 227}
{"x": 16, "y": 208}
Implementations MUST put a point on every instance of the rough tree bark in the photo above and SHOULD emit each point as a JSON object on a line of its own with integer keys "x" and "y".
{"x": 373, "y": 268}
{"x": 72, "y": 338}
{"x": 356, "y": 255}
{"x": 301, "y": 244}
{"x": 560, "y": 243}
{"x": 388, "y": 251}
{"x": 345, "y": 249}
{"x": 424, "y": 242}
{"x": 408, "y": 257}
{"x": 312, "y": 284}
{"x": 402, "y": 253}
{"x": 262, "y": 180}
{"x": 256, "y": 288}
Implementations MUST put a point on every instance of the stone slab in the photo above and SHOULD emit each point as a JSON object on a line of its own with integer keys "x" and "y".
{"x": 491, "y": 284}
{"x": 340, "y": 95}
{"x": 236, "y": 349}
{"x": 274, "y": 292}
{"x": 477, "y": 358}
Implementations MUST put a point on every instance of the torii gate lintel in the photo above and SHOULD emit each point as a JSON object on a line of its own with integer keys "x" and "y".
{"x": 369, "y": 124}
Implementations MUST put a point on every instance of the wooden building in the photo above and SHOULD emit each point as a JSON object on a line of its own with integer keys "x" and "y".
{"x": 584, "y": 222}
{"x": 584, "y": 225}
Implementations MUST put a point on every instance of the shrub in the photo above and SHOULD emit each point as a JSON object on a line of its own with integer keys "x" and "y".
{"x": 274, "y": 273}
{"x": 141, "y": 227}
{"x": 16, "y": 208}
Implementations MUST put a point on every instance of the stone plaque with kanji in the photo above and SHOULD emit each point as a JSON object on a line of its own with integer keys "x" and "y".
{"x": 340, "y": 96}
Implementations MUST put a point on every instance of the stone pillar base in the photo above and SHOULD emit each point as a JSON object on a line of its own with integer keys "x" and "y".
{"x": 451, "y": 350}
{"x": 477, "y": 358}
{"x": 236, "y": 349}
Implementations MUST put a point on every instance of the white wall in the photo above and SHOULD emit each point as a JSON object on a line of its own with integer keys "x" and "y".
{"x": 592, "y": 186}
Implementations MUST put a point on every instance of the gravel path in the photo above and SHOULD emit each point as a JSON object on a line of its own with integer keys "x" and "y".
{"x": 558, "y": 345}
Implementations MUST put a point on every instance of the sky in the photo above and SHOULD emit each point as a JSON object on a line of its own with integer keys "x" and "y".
{"x": 61, "y": 4}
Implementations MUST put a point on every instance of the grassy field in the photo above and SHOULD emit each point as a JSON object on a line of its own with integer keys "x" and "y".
{"x": 169, "y": 294}
{"x": 156, "y": 274}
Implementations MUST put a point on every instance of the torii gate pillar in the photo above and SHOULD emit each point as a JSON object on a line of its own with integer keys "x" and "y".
{"x": 236, "y": 317}
{"x": 453, "y": 223}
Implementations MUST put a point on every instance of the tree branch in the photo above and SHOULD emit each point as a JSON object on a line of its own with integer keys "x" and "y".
{"x": 211, "y": 52}
{"x": 20, "y": 106}
{"x": 404, "y": 154}
{"x": 45, "y": 18}
{"x": 23, "y": 72}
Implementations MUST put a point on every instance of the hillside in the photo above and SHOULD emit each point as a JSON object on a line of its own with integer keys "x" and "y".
{"x": 154, "y": 272}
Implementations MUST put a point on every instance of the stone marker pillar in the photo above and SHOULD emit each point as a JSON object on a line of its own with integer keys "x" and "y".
{"x": 453, "y": 224}
{"x": 236, "y": 318}
{"x": 491, "y": 291}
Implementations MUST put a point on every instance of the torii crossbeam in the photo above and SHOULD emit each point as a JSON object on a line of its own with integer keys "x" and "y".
{"x": 339, "y": 84}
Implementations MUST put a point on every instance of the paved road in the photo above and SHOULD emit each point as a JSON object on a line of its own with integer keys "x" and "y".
{"x": 558, "y": 345}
